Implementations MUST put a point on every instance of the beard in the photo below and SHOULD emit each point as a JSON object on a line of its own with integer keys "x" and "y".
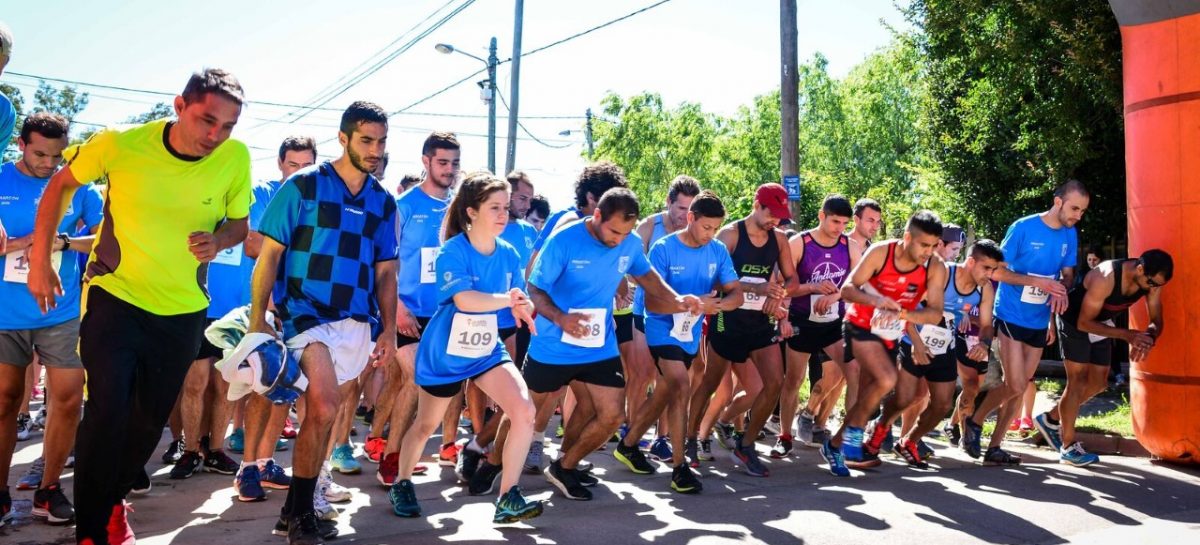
{"x": 356, "y": 161}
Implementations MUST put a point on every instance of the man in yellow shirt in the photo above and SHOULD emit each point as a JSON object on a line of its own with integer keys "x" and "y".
{"x": 178, "y": 193}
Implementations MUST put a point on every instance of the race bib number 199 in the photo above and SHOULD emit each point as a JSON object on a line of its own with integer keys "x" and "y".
{"x": 597, "y": 328}
{"x": 937, "y": 339}
{"x": 1034, "y": 295}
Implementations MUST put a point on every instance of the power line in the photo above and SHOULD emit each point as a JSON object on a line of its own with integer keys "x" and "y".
{"x": 593, "y": 29}
{"x": 522, "y": 125}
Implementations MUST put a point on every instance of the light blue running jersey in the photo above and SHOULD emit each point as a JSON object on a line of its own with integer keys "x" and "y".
{"x": 690, "y": 271}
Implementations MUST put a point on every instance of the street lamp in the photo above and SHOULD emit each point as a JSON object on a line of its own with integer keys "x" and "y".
{"x": 489, "y": 93}
{"x": 587, "y": 133}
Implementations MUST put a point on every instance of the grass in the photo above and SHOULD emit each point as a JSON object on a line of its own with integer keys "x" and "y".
{"x": 1118, "y": 421}
{"x": 1052, "y": 386}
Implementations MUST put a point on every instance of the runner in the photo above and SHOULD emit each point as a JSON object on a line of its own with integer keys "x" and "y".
{"x": 263, "y": 419}
{"x": 635, "y": 354}
{"x": 1086, "y": 334}
{"x": 749, "y": 332}
{"x": 328, "y": 261}
{"x": 1039, "y": 252}
{"x": 24, "y": 331}
{"x": 692, "y": 263}
{"x": 480, "y": 274}
{"x": 572, "y": 285}
{"x": 823, "y": 259}
{"x": 144, "y": 302}
{"x": 883, "y": 292}
{"x": 420, "y": 212}
{"x": 539, "y": 211}
{"x": 927, "y": 354}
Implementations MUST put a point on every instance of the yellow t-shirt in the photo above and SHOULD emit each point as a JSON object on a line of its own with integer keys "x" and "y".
{"x": 155, "y": 201}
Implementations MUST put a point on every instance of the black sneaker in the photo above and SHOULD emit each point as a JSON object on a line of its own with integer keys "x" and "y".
{"x": 566, "y": 482}
{"x": 174, "y": 451}
{"x": 684, "y": 481}
{"x": 971, "y": 437}
{"x": 305, "y": 529}
{"x": 997, "y": 457}
{"x": 51, "y": 504}
{"x": 633, "y": 458}
{"x": 216, "y": 461}
{"x": 483, "y": 482}
{"x": 467, "y": 464}
{"x": 953, "y": 434}
{"x": 586, "y": 479}
{"x": 5, "y": 506}
{"x": 328, "y": 528}
{"x": 360, "y": 412}
{"x": 189, "y": 463}
{"x": 141, "y": 484}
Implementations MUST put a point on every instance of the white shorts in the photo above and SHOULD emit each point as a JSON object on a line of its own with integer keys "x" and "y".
{"x": 349, "y": 344}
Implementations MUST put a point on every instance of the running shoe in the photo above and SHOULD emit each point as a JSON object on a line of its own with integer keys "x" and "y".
{"x": 369, "y": 418}
{"x": 189, "y": 463}
{"x": 706, "y": 453}
{"x": 332, "y": 491}
{"x": 248, "y": 484}
{"x": 586, "y": 479}
{"x": 343, "y": 460}
{"x": 833, "y": 457}
{"x": 889, "y": 441}
{"x": 660, "y": 450}
{"x": 559, "y": 431}
{"x": 361, "y": 412}
{"x": 1076, "y": 456}
{"x": 119, "y": 531}
{"x": 566, "y": 481}
{"x": 305, "y": 529}
{"x": 633, "y": 458}
{"x": 1014, "y": 425}
{"x": 236, "y": 441}
{"x": 216, "y": 461}
{"x": 485, "y": 479}
{"x": 747, "y": 456}
{"x": 820, "y": 436}
{"x": 173, "y": 452}
{"x": 783, "y": 447}
{"x": 953, "y": 434}
{"x": 533, "y": 460}
{"x": 141, "y": 484}
{"x": 274, "y": 477}
{"x": 691, "y": 448}
{"x": 1048, "y": 430}
{"x": 684, "y": 481}
{"x": 772, "y": 425}
{"x": 327, "y": 528}
{"x": 404, "y": 499}
{"x": 32, "y": 478}
{"x": 389, "y": 469}
{"x": 997, "y": 457}
{"x": 852, "y": 443}
{"x": 925, "y": 450}
{"x": 39, "y": 420}
{"x": 910, "y": 453}
{"x": 373, "y": 449}
{"x": 324, "y": 510}
{"x": 584, "y": 466}
{"x": 805, "y": 426}
{"x": 51, "y": 504}
{"x": 5, "y": 506}
{"x": 972, "y": 434}
{"x": 448, "y": 456}
{"x": 620, "y": 434}
{"x": 725, "y": 435}
{"x": 290, "y": 429}
{"x": 1025, "y": 425}
{"x": 24, "y": 423}
{"x": 468, "y": 463}
{"x": 513, "y": 507}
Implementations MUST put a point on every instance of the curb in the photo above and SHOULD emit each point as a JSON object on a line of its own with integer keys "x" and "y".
{"x": 1098, "y": 443}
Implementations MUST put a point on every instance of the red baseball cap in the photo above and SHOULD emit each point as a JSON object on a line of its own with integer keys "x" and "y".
{"x": 775, "y": 199}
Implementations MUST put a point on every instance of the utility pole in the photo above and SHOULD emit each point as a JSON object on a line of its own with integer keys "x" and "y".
{"x": 789, "y": 107}
{"x": 510, "y": 159}
{"x": 492, "y": 61}
{"x": 588, "y": 135}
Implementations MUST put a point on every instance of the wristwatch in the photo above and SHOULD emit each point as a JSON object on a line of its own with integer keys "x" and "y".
{"x": 66, "y": 240}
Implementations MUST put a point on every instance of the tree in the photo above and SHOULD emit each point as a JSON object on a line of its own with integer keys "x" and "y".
{"x": 156, "y": 112}
{"x": 1025, "y": 95}
{"x": 67, "y": 102}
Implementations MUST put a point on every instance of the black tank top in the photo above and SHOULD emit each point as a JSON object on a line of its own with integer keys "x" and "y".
{"x": 1114, "y": 304}
{"x": 750, "y": 261}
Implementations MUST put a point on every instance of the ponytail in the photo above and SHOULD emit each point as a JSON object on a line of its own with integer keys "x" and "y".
{"x": 474, "y": 190}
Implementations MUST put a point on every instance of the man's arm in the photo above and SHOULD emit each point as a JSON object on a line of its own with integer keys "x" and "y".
{"x": 261, "y": 282}
{"x": 935, "y": 293}
{"x": 663, "y": 299}
{"x": 871, "y": 263}
{"x": 1154, "y": 308}
{"x": 44, "y": 283}
{"x": 385, "y": 297}
{"x": 1099, "y": 284}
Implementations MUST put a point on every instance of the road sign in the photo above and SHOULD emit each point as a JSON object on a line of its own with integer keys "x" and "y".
{"x": 792, "y": 185}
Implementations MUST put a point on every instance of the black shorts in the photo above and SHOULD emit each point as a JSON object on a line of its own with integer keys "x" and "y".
{"x": 816, "y": 366}
{"x": 624, "y": 327}
{"x": 1032, "y": 337}
{"x": 942, "y": 368}
{"x": 506, "y": 332}
{"x": 1077, "y": 347}
{"x": 452, "y": 389}
{"x": 851, "y": 332}
{"x": 521, "y": 345}
{"x": 639, "y": 322}
{"x": 671, "y": 352}
{"x": 404, "y": 340}
{"x": 207, "y": 350}
{"x": 544, "y": 378}
{"x": 960, "y": 354}
{"x": 811, "y": 338}
{"x": 736, "y": 346}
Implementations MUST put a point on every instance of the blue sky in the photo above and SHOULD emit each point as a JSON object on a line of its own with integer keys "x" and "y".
{"x": 717, "y": 53}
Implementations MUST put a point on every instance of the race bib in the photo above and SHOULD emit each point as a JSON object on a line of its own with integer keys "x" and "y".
{"x": 1093, "y": 338}
{"x": 230, "y": 256}
{"x": 428, "y": 262}
{"x": 889, "y": 331}
{"x": 752, "y": 301}
{"x": 937, "y": 339}
{"x": 16, "y": 266}
{"x": 1034, "y": 295}
{"x": 829, "y": 315}
{"x": 682, "y": 324}
{"x": 596, "y": 325}
{"x": 472, "y": 335}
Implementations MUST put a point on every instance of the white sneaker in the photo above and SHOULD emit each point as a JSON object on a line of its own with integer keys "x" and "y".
{"x": 321, "y": 505}
{"x": 333, "y": 492}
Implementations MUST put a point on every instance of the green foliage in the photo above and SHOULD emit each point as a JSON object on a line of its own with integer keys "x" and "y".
{"x": 1118, "y": 421}
{"x": 67, "y": 102}
{"x": 156, "y": 112}
{"x": 1025, "y": 95}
